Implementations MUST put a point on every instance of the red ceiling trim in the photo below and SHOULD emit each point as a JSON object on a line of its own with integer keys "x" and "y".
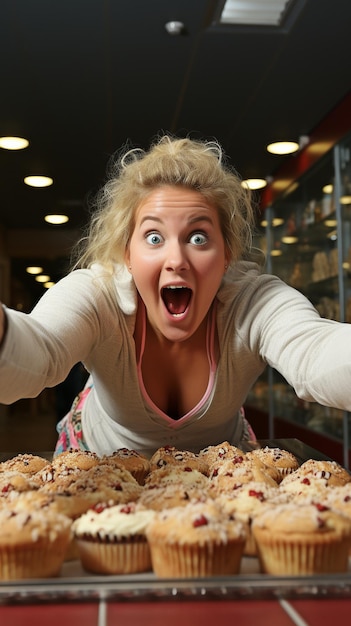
{"x": 329, "y": 132}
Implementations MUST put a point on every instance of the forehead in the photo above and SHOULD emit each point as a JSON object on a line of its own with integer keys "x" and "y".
{"x": 167, "y": 198}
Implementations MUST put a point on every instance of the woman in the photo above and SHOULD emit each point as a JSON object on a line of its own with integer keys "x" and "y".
{"x": 170, "y": 317}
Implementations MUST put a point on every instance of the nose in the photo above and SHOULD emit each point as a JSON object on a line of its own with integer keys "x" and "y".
{"x": 176, "y": 258}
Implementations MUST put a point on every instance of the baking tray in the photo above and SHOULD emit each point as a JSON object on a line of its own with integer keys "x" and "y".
{"x": 76, "y": 585}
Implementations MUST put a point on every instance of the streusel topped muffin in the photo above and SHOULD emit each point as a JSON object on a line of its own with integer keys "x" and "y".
{"x": 302, "y": 540}
{"x": 75, "y": 459}
{"x": 173, "y": 474}
{"x": 32, "y": 544}
{"x": 171, "y": 495}
{"x": 24, "y": 463}
{"x": 135, "y": 462}
{"x": 220, "y": 452}
{"x": 282, "y": 460}
{"x": 331, "y": 471}
{"x": 169, "y": 455}
{"x": 195, "y": 540}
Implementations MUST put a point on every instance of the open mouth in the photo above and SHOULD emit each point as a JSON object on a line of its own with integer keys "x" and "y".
{"x": 176, "y": 299}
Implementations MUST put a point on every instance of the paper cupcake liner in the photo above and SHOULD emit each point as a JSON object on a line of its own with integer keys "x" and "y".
{"x": 43, "y": 559}
{"x": 323, "y": 555}
{"x": 114, "y": 558}
{"x": 188, "y": 561}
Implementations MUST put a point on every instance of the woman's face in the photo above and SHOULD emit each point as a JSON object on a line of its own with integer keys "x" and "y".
{"x": 177, "y": 257}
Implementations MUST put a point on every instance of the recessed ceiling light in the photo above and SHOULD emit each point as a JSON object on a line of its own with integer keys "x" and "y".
{"x": 283, "y": 147}
{"x": 345, "y": 200}
{"x": 276, "y": 253}
{"x": 276, "y": 221}
{"x": 254, "y": 183}
{"x": 289, "y": 239}
{"x": 13, "y": 143}
{"x": 327, "y": 188}
{"x": 330, "y": 223}
{"x": 42, "y": 278}
{"x": 56, "y": 219}
{"x": 34, "y": 269}
{"x": 38, "y": 181}
{"x": 48, "y": 284}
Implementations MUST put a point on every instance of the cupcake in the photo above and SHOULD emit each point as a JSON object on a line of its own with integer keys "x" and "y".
{"x": 32, "y": 544}
{"x": 302, "y": 540}
{"x": 194, "y": 541}
{"x": 111, "y": 540}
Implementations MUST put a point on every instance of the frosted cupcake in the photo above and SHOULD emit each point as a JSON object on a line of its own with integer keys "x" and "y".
{"x": 112, "y": 540}
{"x": 194, "y": 541}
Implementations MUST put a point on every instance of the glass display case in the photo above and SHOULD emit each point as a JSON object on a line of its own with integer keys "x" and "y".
{"x": 306, "y": 235}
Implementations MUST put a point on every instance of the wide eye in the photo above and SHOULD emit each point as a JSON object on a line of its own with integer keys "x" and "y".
{"x": 154, "y": 239}
{"x": 198, "y": 239}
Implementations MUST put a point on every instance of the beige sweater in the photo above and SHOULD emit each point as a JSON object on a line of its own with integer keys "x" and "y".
{"x": 260, "y": 320}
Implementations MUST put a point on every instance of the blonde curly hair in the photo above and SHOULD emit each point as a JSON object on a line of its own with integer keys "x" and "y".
{"x": 195, "y": 164}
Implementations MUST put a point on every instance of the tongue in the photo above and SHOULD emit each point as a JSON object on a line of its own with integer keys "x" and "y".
{"x": 176, "y": 300}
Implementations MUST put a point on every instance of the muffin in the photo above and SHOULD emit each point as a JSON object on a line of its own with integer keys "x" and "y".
{"x": 301, "y": 486}
{"x": 246, "y": 503}
{"x": 331, "y": 471}
{"x": 135, "y": 462}
{"x": 76, "y": 459}
{"x": 13, "y": 482}
{"x": 194, "y": 541}
{"x": 111, "y": 540}
{"x": 167, "y": 496}
{"x": 169, "y": 455}
{"x": 231, "y": 475}
{"x": 99, "y": 484}
{"x": 171, "y": 474}
{"x": 219, "y": 452}
{"x": 24, "y": 463}
{"x": 283, "y": 461}
{"x": 302, "y": 540}
{"x": 32, "y": 544}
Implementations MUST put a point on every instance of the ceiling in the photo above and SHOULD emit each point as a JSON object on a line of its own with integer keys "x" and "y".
{"x": 80, "y": 78}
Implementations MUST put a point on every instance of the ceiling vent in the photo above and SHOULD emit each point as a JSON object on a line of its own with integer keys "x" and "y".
{"x": 267, "y": 14}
